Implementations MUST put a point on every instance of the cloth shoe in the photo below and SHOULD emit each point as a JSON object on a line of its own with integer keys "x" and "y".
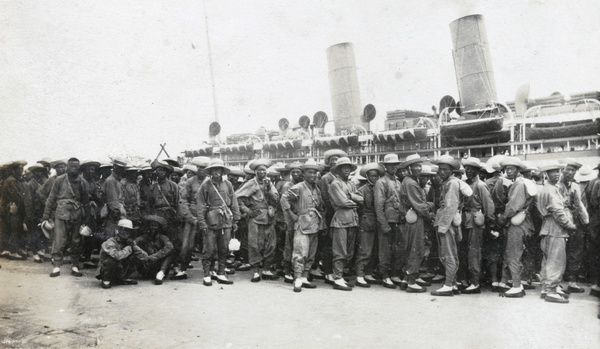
{"x": 288, "y": 278}
{"x": 307, "y": 284}
{"x": 317, "y": 273}
{"x": 106, "y": 284}
{"x": 515, "y": 292}
{"x": 181, "y": 275}
{"x": 415, "y": 288}
{"x": 372, "y": 280}
{"x": 298, "y": 285}
{"x": 556, "y": 298}
{"x": 244, "y": 267}
{"x": 255, "y": 277}
{"x": 387, "y": 283}
{"x": 472, "y": 289}
{"x": 75, "y": 272}
{"x": 361, "y": 282}
{"x": 445, "y": 291}
{"x": 207, "y": 281}
{"x": 55, "y": 272}
{"x": 158, "y": 280}
{"x": 37, "y": 259}
{"x": 422, "y": 282}
{"x": 222, "y": 279}
{"x": 340, "y": 284}
{"x": 269, "y": 275}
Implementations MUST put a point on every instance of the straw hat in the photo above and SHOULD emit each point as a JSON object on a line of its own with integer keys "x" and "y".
{"x": 260, "y": 162}
{"x": 372, "y": 166}
{"x": 343, "y": 161}
{"x": 333, "y": 152}
{"x": 218, "y": 163}
{"x": 512, "y": 161}
{"x": 448, "y": 160}
{"x": 391, "y": 159}
{"x": 411, "y": 159}
{"x": 473, "y": 162}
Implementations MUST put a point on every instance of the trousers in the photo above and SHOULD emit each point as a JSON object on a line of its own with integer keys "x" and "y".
{"x": 343, "y": 240}
{"x": 188, "y": 238}
{"x": 414, "y": 244}
{"x": 66, "y": 240}
{"x": 391, "y": 251}
{"x": 304, "y": 251}
{"x": 515, "y": 245}
{"x": 366, "y": 244}
{"x": 575, "y": 251}
{"x": 261, "y": 244}
{"x": 448, "y": 254}
{"x": 554, "y": 262}
{"x": 469, "y": 255}
{"x": 215, "y": 242}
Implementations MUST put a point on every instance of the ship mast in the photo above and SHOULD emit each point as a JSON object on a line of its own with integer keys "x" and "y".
{"x": 210, "y": 64}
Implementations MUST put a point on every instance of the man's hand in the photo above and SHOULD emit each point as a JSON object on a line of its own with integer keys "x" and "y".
{"x": 293, "y": 216}
{"x": 254, "y": 213}
{"x": 234, "y": 227}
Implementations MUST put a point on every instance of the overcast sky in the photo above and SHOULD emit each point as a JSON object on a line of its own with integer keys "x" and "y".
{"x": 99, "y": 78}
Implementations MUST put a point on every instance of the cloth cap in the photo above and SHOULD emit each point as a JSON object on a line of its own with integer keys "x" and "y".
{"x": 55, "y": 163}
{"x": 125, "y": 223}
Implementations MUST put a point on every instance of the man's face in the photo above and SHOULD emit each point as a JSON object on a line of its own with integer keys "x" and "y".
{"x": 526, "y": 174}
{"x": 444, "y": 171}
{"x": 201, "y": 174}
{"x": 154, "y": 228}
{"x": 232, "y": 178}
{"x": 18, "y": 171}
{"x": 423, "y": 180}
{"x": 401, "y": 173}
{"x": 568, "y": 173}
{"x": 274, "y": 178}
{"x": 511, "y": 171}
{"x": 131, "y": 176}
{"x": 310, "y": 175}
{"x": 471, "y": 172}
{"x": 553, "y": 176}
{"x": 415, "y": 169}
{"x": 147, "y": 175}
{"x": 73, "y": 167}
{"x": 391, "y": 168}
{"x": 190, "y": 174}
{"x": 373, "y": 176}
{"x": 175, "y": 177}
{"x": 89, "y": 172}
{"x": 261, "y": 172}
{"x": 216, "y": 174}
{"x": 61, "y": 169}
{"x": 161, "y": 173}
{"x": 344, "y": 171}
{"x": 296, "y": 175}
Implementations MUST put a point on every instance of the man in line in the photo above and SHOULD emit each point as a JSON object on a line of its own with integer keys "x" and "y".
{"x": 367, "y": 232}
{"x": 34, "y": 209}
{"x": 446, "y": 229}
{"x": 13, "y": 212}
{"x": 593, "y": 207}
{"x": 517, "y": 201}
{"x": 557, "y": 224}
{"x": 218, "y": 214}
{"x": 296, "y": 176}
{"x": 68, "y": 203}
{"x": 324, "y": 250}
{"x": 387, "y": 208}
{"x": 413, "y": 197}
{"x": 576, "y": 243}
{"x": 113, "y": 195}
{"x": 344, "y": 200}
{"x": 257, "y": 198}
{"x": 304, "y": 206}
{"x": 478, "y": 212}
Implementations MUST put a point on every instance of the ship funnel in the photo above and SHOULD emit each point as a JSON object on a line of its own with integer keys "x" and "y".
{"x": 521, "y": 100}
{"x": 343, "y": 86}
{"x": 473, "y": 63}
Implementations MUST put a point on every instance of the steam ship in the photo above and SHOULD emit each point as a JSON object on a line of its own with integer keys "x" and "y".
{"x": 534, "y": 129}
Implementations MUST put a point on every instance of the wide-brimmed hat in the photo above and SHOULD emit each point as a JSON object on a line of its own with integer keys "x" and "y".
{"x": 55, "y": 163}
{"x": 295, "y": 165}
{"x": 280, "y": 167}
{"x": 391, "y": 159}
{"x": 473, "y": 162}
{"x": 411, "y": 159}
{"x": 178, "y": 170}
{"x": 190, "y": 167}
{"x": 529, "y": 167}
{"x": 356, "y": 175}
{"x": 260, "y": 162}
{"x": 272, "y": 171}
{"x": 45, "y": 161}
{"x": 448, "y": 160}
{"x": 158, "y": 219}
{"x": 333, "y": 152}
{"x": 234, "y": 171}
{"x": 372, "y": 166}
{"x": 172, "y": 162}
{"x": 132, "y": 168}
{"x": 16, "y": 163}
{"x": 119, "y": 162}
{"x": 311, "y": 164}
{"x": 585, "y": 174}
{"x": 37, "y": 167}
{"x": 145, "y": 167}
{"x": 512, "y": 161}
{"x": 571, "y": 162}
{"x": 105, "y": 164}
{"x": 493, "y": 163}
{"x": 201, "y": 162}
{"x": 341, "y": 162}
{"x": 248, "y": 170}
{"x": 550, "y": 165}
{"x": 163, "y": 164}
{"x": 218, "y": 163}
{"x": 428, "y": 170}
{"x": 87, "y": 163}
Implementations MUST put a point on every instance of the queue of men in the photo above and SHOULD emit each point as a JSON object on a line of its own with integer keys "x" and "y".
{"x": 397, "y": 223}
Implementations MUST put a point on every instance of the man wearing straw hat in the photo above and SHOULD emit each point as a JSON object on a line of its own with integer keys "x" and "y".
{"x": 389, "y": 236}
{"x": 557, "y": 225}
{"x": 367, "y": 232}
{"x": 296, "y": 176}
{"x": 304, "y": 206}
{"x": 154, "y": 250}
{"x": 413, "y": 197}
{"x": 515, "y": 217}
{"x": 444, "y": 222}
{"x": 478, "y": 213}
{"x": 188, "y": 209}
{"x": 344, "y": 200}
{"x": 131, "y": 195}
{"x": 113, "y": 194}
{"x": 324, "y": 250}
{"x": 257, "y": 198}
{"x": 576, "y": 243}
{"x": 218, "y": 214}
{"x": 60, "y": 166}
{"x": 68, "y": 203}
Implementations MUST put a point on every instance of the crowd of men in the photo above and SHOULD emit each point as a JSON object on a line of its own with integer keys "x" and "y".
{"x": 398, "y": 224}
